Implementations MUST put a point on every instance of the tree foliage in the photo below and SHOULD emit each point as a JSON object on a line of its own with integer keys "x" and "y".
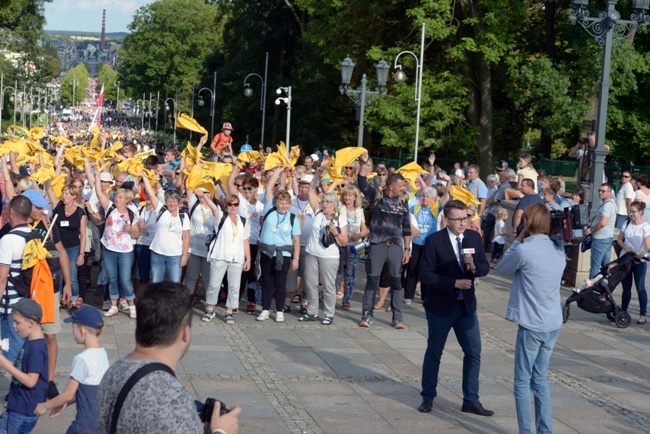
{"x": 107, "y": 77}
{"x": 74, "y": 85}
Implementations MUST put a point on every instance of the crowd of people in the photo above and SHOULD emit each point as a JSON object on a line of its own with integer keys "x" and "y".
{"x": 286, "y": 230}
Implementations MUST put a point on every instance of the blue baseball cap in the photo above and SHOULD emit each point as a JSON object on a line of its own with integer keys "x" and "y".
{"x": 87, "y": 316}
{"x": 35, "y": 198}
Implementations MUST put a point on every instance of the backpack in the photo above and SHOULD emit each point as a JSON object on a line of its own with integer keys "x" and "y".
{"x": 35, "y": 281}
{"x": 128, "y": 210}
{"x": 213, "y": 235}
{"x": 196, "y": 204}
{"x": 292, "y": 216}
{"x": 181, "y": 214}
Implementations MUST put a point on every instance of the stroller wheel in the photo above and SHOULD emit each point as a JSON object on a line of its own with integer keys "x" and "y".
{"x": 623, "y": 320}
{"x": 565, "y": 313}
{"x": 611, "y": 315}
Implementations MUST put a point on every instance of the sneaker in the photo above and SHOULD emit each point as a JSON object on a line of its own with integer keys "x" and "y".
{"x": 229, "y": 318}
{"x": 408, "y": 301}
{"x": 250, "y": 308}
{"x": 263, "y": 316}
{"x": 279, "y": 317}
{"x": 208, "y": 315}
{"x": 52, "y": 391}
{"x": 366, "y": 320}
{"x": 106, "y": 305}
{"x": 132, "y": 313}
{"x": 122, "y": 304}
{"x": 493, "y": 266}
{"x": 306, "y": 317}
{"x": 399, "y": 325}
{"x": 112, "y": 311}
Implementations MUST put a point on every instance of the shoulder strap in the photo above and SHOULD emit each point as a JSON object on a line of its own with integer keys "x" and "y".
{"x": 194, "y": 207}
{"x": 133, "y": 379}
{"x": 141, "y": 209}
{"x": 162, "y": 211}
{"x": 129, "y": 211}
{"x": 221, "y": 222}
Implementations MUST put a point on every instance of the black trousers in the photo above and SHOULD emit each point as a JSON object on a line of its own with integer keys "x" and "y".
{"x": 410, "y": 272}
{"x": 272, "y": 278}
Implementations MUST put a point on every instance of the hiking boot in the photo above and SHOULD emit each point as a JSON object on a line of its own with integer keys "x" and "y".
{"x": 263, "y": 316}
{"x": 208, "y": 315}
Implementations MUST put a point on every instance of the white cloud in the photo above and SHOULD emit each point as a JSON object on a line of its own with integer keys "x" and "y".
{"x": 119, "y": 5}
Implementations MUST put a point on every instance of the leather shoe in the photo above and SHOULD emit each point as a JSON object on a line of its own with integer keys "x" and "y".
{"x": 476, "y": 409}
{"x": 426, "y": 406}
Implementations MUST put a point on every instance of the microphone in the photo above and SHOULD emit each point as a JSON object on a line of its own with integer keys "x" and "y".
{"x": 467, "y": 250}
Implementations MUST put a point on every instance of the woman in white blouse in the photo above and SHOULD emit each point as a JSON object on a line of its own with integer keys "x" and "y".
{"x": 321, "y": 259}
{"x": 357, "y": 230}
{"x": 634, "y": 239}
{"x": 228, "y": 253}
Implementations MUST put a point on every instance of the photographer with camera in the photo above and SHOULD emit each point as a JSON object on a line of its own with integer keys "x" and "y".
{"x": 160, "y": 403}
{"x": 582, "y": 151}
{"x": 537, "y": 264}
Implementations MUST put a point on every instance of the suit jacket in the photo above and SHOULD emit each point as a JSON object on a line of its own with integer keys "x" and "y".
{"x": 439, "y": 270}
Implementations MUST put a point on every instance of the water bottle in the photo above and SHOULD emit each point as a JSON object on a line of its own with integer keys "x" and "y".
{"x": 359, "y": 246}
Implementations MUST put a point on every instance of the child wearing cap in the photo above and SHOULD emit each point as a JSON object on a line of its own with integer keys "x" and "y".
{"x": 88, "y": 369}
{"x": 29, "y": 373}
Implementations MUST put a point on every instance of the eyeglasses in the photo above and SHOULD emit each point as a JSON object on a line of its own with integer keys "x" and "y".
{"x": 632, "y": 211}
{"x": 459, "y": 220}
{"x": 235, "y": 204}
{"x": 626, "y": 176}
{"x": 247, "y": 188}
{"x": 382, "y": 174}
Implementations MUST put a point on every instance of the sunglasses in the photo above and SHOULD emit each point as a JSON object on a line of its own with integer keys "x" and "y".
{"x": 599, "y": 191}
{"x": 625, "y": 176}
{"x": 238, "y": 185}
{"x": 247, "y": 188}
{"x": 233, "y": 204}
{"x": 348, "y": 168}
{"x": 382, "y": 174}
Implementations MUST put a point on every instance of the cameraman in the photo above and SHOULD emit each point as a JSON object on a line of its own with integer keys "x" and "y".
{"x": 582, "y": 151}
{"x": 537, "y": 264}
{"x": 158, "y": 403}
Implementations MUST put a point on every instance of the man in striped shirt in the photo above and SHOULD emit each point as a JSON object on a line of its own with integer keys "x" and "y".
{"x": 11, "y": 254}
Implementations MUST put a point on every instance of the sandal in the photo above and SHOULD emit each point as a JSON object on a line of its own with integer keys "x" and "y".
{"x": 307, "y": 317}
{"x": 286, "y": 308}
{"x": 379, "y": 305}
{"x": 296, "y": 299}
{"x": 303, "y": 309}
{"x": 327, "y": 321}
{"x": 339, "y": 295}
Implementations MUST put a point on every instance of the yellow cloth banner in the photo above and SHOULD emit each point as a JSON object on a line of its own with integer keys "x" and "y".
{"x": 188, "y": 123}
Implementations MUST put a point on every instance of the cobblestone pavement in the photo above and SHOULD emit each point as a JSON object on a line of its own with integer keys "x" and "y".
{"x": 308, "y": 378}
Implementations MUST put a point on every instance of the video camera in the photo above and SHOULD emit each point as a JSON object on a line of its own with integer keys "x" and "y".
{"x": 568, "y": 225}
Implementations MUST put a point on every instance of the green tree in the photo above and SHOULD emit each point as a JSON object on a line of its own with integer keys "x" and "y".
{"x": 107, "y": 77}
{"x": 167, "y": 46}
{"x": 74, "y": 85}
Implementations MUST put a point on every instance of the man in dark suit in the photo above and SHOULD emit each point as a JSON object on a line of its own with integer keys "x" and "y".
{"x": 447, "y": 278}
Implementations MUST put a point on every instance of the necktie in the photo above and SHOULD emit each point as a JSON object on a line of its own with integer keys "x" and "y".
{"x": 459, "y": 244}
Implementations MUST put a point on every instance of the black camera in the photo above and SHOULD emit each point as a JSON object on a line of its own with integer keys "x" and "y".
{"x": 568, "y": 226}
{"x": 205, "y": 409}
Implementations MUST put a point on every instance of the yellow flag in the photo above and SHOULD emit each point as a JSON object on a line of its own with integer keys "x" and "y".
{"x": 188, "y": 123}
{"x": 75, "y": 157}
{"x": 58, "y": 183}
{"x": 250, "y": 157}
{"x": 191, "y": 155}
{"x": 145, "y": 154}
{"x": 464, "y": 195}
{"x": 199, "y": 178}
{"x": 43, "y": 174}
{"x": 410, "y": 172}
{"x": 347, "y": 156}
{"x": 36, "y": 133}
{"x": 110, "y": 153}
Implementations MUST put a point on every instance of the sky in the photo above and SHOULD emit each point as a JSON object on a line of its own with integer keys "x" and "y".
{"x": 86, "y": 15}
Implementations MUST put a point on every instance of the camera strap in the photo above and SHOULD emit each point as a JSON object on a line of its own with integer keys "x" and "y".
{"x": 132, "y": 381}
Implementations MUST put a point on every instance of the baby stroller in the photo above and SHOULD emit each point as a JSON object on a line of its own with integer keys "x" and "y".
{"x": 595, "y": 295}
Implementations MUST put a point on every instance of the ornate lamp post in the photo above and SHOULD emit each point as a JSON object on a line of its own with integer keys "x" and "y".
{"x": 117, "y": 98}
{"x": 248, "y": 92}
{"x": 287, "y": 101}
{"x": 3, "y": 88}
{"x": 400, "y": 77}
{"x": 606, "y": 29}
{"x": 363, "y": 97}
{"x": 173, "y": 114}
{"x": 73, "y": 82}
{"x": 201, "y": 102}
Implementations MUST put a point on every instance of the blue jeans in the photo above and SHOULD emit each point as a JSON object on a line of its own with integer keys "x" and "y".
{"x": 601, "y": 250}
{"x": 165, "y": 264}
{"x": 638, "y": 272}
{"x": 13, "y": 422}
{"x": 73, "y": 254}
{"x": 532, "y": 356}
{"x": 469, "y": 337}
{"x": 144, "y": 263}
{"x": 118, "y": 267}
{"x": 8, "y": 332}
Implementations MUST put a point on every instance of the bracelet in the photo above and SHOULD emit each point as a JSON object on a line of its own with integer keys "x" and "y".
{"x": 218, "y": 431}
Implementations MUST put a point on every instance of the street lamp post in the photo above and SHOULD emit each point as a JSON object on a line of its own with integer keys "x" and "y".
{"x": 606, "y": 29}
{"x": 73, "y": 83}
{"x": 3, "y": 88}
{"x": 117, "y": 98}
{"x": 157, "y": 107}
{"x": 287, "y": 101}
{"x": 140, "y": 104}
{"x": 248, "y": 92}
{"x": 201, "y": 101}
{"x": 173, "y": 115}
{"x": 400, "y": 77}
{"x": 363, "y": 97}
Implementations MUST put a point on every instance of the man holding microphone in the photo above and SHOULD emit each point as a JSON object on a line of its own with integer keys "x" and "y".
{"x": 450, "y": 260}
